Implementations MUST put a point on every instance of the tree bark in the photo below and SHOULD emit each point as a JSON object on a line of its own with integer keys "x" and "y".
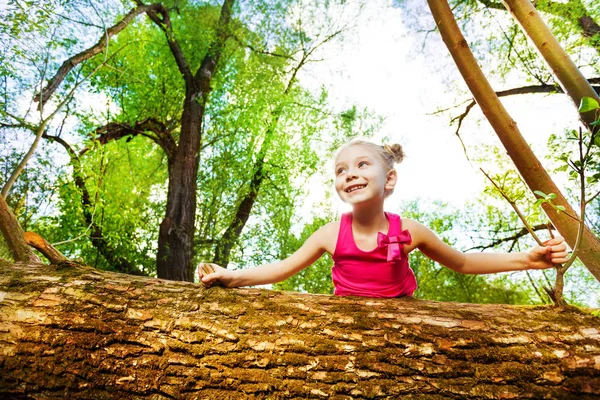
{"x": 176, "y": 233}
{"x": 530, "y": 168}
{"x": 13, "y": 235}
{"x": 76, "y": 332}
{"x": 569, "y": 10}
{"x": 569, "y": 76}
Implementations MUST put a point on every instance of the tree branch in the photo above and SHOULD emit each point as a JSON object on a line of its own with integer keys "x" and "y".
{"x": 96, "y": 235}
{"x": 209, "y": 62}
{"x": 570, "y": 9}
{"x": 531, "y": 89}
{"x": 519, "y": 234}
{"x": 118, "y": 130}
{"x": 164, "y": 23}
{"x": 77, "y": 59}
{"x": 257, "y": 51}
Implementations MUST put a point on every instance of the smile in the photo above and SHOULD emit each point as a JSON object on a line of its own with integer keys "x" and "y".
{"x": 355, "y": 188}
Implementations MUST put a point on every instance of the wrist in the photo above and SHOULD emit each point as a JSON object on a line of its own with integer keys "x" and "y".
{"x": 233, "y": 278}
{"x": 526, "y": 261}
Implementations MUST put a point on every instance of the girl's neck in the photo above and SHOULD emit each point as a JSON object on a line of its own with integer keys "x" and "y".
{"x": 370, "y": 219}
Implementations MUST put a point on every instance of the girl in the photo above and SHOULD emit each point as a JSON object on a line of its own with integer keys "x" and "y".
{"x": 368, "y": 262}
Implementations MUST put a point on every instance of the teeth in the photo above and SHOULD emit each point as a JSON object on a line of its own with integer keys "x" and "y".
{"x": 354, "y": 188}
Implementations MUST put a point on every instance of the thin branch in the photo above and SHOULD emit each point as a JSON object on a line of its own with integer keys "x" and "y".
{"x": 531, "y": 89}
{"x": 519, "y": 234}
{"x": 164, "y": 23}
{"x": 257, "y": 51}
{"x": 77, "y": 59}
{"x": 514, "y": 206}
{"x": 592, "y": 198}
{"x": 38, "y": 135}
{"x": 460, "y": 121}
{"x": 531, "y": 281}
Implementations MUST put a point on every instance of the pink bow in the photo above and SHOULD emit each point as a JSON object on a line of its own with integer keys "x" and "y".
{"x": 393, "y": 244}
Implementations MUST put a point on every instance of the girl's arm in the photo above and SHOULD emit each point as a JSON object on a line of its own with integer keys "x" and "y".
{"x": 311, "y": 250}
{"x": 539, "y": 257}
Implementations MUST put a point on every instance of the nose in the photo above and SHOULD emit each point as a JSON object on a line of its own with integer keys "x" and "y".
{"x": 350, "y": 176}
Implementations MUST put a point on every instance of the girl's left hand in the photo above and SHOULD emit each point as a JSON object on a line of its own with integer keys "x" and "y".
{"x": 553, "y": 252}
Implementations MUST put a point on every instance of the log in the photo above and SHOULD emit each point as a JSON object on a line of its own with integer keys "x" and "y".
{"x": 76, "y": 332}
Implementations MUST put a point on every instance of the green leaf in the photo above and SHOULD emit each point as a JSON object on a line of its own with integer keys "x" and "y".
{"x": 588, "y": 104}
{"x": 541, "y": 194}
{"x": 595, "y": 123}
{"x": 561, "y": 208}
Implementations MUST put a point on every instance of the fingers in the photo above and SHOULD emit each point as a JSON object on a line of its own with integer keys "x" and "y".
{"x": 205, "y": 270}
{"x": 553, "y": 251}
{"x": 560, "y": 258}
{"x": 556, "y": 250}
{"x": 554, "y": 241}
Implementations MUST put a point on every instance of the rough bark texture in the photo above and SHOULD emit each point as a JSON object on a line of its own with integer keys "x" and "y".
{"x": 76, "y": 332}
{"x": 176, "y": 233}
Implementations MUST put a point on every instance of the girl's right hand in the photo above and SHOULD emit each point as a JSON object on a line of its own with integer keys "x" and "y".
{"x": 209, "y": 273}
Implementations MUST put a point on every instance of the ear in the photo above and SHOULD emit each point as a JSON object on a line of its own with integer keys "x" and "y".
{"x": 391, "y": 179}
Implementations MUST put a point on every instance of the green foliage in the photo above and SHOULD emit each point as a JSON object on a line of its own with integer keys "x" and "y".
{"x": 547, "y": 199}
{"x": 257, "y": 113}
{"x": 317, "y": 277}
{"x": 436, "y": 282}
{"x": 588, "y": 104}
{"x": 121, "y": 179}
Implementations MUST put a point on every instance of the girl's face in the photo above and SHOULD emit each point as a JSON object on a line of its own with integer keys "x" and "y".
{"x": 361, "y": 176}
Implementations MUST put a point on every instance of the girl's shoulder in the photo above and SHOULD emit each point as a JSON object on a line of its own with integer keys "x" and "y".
{"x": 410, "y": 224}
{"x": 332, "y": 228}
{"x": 327, "y": 235}
{"x": 416, "y": 230}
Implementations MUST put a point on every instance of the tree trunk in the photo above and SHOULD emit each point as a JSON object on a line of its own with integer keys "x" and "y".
{"x": 13, "y": 235}
{"x": 174, "y": 259}
{"x": 527, "y": 164}
{"x": 77, "y": 332}
{"x": 568, "y": 11}
{"x": 176, "y": 232}
{"x": 569, "y": 76}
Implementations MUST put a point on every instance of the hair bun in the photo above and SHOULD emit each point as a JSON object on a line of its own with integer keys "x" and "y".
{"x": 395, "y": 151}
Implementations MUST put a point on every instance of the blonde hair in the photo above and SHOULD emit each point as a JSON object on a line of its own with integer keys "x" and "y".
{"x": 390, "y": 154}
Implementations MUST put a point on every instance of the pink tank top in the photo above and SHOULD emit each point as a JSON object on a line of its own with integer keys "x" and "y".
{"x": 381, "y": 272}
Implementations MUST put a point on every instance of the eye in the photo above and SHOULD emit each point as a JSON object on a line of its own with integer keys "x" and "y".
{"x": 340, "y": 171}
{"x": 362, "y": 164}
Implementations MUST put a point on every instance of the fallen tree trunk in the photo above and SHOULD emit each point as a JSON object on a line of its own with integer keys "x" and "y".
{"x": 70, "y": 331}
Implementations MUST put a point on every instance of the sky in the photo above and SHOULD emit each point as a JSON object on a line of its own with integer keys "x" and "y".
{"x": 379, "y": 66}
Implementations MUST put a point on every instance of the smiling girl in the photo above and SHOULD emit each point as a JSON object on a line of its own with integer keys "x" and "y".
{"x": 369, "y": 246}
